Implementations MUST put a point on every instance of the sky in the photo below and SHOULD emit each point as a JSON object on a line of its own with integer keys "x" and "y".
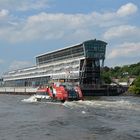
{"x": 32, "y": 27}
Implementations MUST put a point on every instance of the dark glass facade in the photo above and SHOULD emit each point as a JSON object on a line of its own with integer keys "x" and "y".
{"x": 68, "y": 53}
{"x": 94, "y": 49}
{"x": 94, "y": 52}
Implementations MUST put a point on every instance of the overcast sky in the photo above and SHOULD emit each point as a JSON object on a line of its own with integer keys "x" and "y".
{"x": 32, "y": 27}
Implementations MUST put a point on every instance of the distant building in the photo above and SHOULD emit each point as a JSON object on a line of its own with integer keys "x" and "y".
{"x": 79, "y": 63}
{"x": 131, "y": 80}
{"x": 116, "y": 81}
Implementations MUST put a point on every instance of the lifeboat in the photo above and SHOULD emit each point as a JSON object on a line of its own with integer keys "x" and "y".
{"x": 59, "y": 93}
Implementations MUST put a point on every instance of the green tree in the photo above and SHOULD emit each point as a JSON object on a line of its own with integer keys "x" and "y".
{"x": 135, "y": 87}
{"x": 106, "y": 77}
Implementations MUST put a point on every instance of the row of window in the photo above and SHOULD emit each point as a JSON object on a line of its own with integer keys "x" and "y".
{"x": 61, "y": 55}
{"x": 48, "y": 70}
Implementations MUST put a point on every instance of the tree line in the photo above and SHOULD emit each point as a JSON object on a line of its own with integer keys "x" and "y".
{"x": 123, "y": 73}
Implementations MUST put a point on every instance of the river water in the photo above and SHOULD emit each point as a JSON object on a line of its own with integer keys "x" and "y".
{"x": 105, "y": 118}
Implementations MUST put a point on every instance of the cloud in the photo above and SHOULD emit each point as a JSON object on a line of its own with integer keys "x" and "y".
{"x": 125, "y": 50}
{"x": 47, "y": 26}
{"x": 127, "y": 9}
{"x": 24, "y": 5}
{"x": 121, "y": 31}
{"x": 19, "y": 64}
{"x": 29, "y": 5}
{"x": 3, "y": 13}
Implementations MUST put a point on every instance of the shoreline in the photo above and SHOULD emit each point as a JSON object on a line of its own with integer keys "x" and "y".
{"x": 130, "y": 94}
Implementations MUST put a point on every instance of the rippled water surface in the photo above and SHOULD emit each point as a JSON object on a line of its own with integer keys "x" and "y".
{"x": 106, "y": 118}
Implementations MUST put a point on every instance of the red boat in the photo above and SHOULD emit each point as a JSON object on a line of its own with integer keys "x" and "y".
{"x": 59, "y": 93}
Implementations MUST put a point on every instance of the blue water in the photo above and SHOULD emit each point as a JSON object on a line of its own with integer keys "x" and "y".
{"x": 106, "y": 118}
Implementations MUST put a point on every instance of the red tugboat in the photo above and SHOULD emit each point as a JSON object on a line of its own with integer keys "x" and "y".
{"x": 58, "y": 93}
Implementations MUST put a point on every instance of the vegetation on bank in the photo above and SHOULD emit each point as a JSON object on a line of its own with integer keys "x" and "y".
{"x": 124, "y": 74}
{"x": 135, "y": 87}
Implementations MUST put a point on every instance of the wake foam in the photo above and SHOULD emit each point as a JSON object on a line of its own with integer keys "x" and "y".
{"x": 31, "y": 99}
{"x": 104, "y": 103}
{"x": 122, "y": 104}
